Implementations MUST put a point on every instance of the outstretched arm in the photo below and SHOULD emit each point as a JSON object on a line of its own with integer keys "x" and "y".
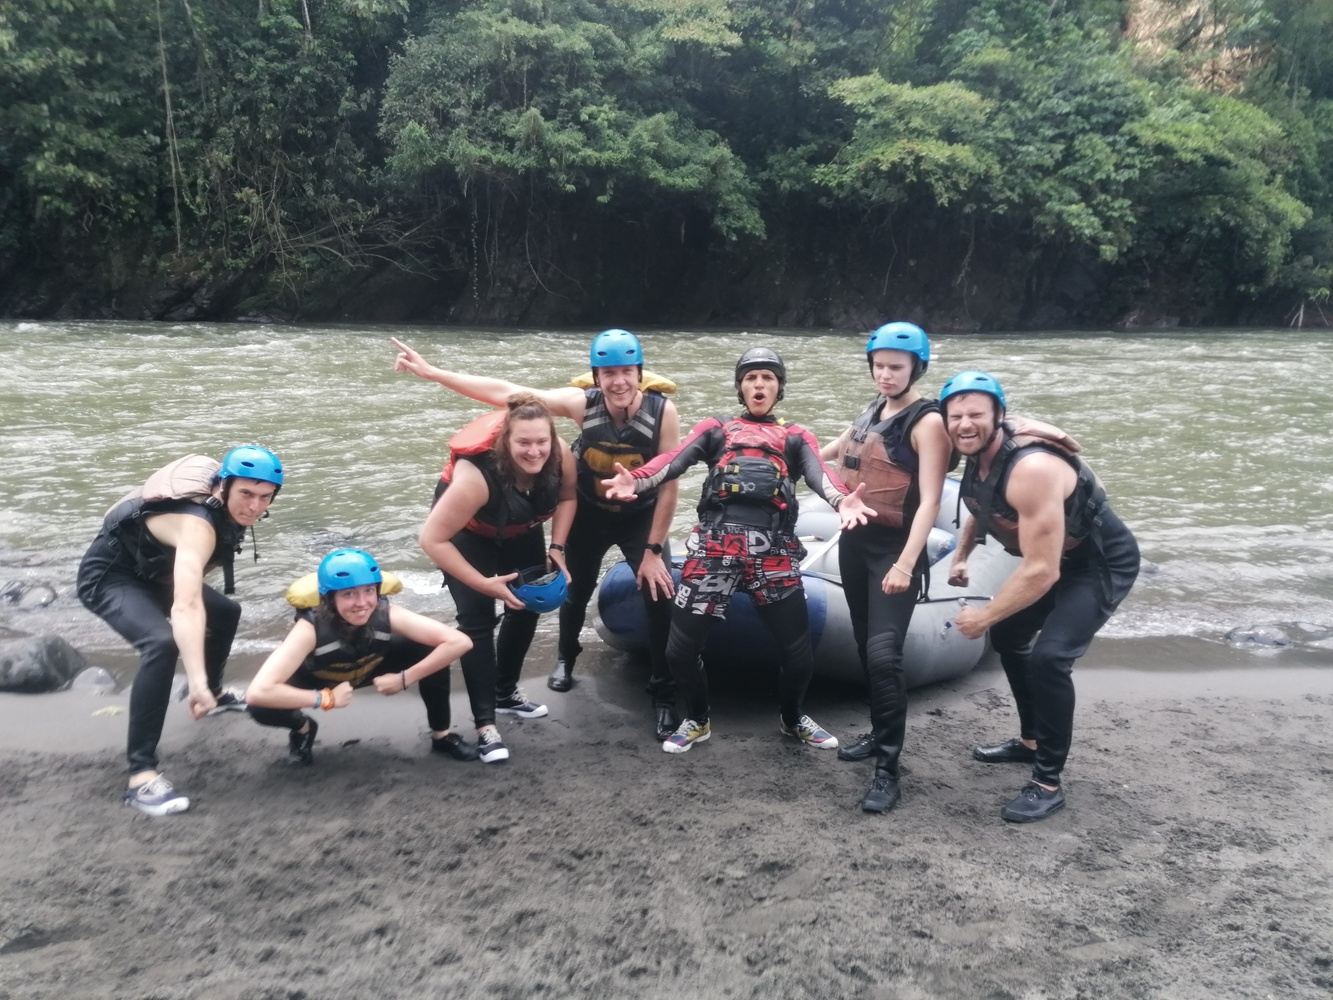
{"x": 563, "y": 402}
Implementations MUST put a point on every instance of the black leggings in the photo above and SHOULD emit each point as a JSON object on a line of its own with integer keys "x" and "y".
{"x": 879, "y": 625}
{"x": 789, "y": 624}
{"x": 402, "y": 653}
{"x": 1039, "y": 644}
{"x": 140, "y": 613}
{"x": 591, "y": 537}
{"x": 491, "y": 667}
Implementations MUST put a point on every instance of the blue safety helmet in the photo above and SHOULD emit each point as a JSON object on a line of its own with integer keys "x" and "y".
{"x": 250, "y": 461}
{"x": 901, "y": 337}
{"x": 539, "y": 590}
{"x": 343, "y": 569}
{"x": 613, "y": 348}
{"x": 761, "y": 357}
{"x": 973, "y": 381}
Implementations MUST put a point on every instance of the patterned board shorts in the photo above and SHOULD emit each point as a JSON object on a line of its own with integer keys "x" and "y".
{"x": 720, "y": 558}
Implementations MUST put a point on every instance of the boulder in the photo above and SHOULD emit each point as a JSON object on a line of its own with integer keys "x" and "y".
{"x": 38, "y": 663}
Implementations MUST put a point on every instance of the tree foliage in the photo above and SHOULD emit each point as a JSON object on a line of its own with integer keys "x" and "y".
{"x": 297, "y": 142}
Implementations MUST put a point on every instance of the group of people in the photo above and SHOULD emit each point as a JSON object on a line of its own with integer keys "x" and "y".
{"x": 509, "y": 473}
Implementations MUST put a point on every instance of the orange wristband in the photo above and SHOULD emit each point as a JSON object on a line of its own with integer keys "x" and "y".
{"x": 326, "y": 699}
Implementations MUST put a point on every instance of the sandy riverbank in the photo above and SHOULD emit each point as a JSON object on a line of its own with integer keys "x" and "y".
{"x": 1194, "y": 859}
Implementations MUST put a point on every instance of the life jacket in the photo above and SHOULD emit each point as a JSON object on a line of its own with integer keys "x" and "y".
{"x": 184, "y": 486}
{"x": 602, "y": 444}
{"x": 508, "y": 512}
{"x": 346, "y": 654}
{"x": 648, "y": 382}
{"x": 751, "y": 477}
{"x": 984, "y": 498}
{"x": 879, "y": 454}
{"x": 303, "y": 592}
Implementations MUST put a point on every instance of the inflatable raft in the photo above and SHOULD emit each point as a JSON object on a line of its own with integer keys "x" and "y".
{"x": 934, "y": 650}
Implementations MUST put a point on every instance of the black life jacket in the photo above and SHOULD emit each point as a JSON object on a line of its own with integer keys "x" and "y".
{"x": 154, "y": 561}
{"x": 879, "y": 453}
{"x": 346, "y": 654}
{"x": 751, "y": 478}
{"x": 509, "y": 512}
{"x": 984, "y": 498}
{"x": 601, "y": 444}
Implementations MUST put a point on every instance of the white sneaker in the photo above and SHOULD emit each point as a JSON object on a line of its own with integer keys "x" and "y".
{"x": 808, "y": 731}
{"x": 230, "y": 699}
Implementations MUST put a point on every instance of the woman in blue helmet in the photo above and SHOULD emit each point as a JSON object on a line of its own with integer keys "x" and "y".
{"x": 144, "y": 576}
{"x": 354, "y": 639}
{"x": 484, "y": 532}
{"x": 899, "y": 449}
{"x": 619, "y": 421}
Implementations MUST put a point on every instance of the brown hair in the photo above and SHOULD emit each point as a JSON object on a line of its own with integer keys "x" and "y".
{"x": 526, "y": 406}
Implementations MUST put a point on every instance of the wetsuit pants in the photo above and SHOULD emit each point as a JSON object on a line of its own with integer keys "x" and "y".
{"x": 402, "y": 653}
{"x": 787, "y": 621}
{"x": 1039, "y": 644}
{"x": 491, "y": 667}
{"x": 140, "y": 612}
{"x": 879, "y": 626}
{"x": 593, "y": 533}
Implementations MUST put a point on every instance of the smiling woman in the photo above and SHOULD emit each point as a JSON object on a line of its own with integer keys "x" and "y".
{"x": 355, "y": 638}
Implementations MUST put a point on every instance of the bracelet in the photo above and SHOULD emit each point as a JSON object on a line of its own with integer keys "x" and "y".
{"x": 904, "y": 572}
{"x": 318, "y": 698}
{"x": 326, "y": 699}
{"x": 556, "y": 547}
{"x": 402, "y": 676}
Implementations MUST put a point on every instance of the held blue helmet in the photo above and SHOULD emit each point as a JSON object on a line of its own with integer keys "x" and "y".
{"x": 901, "y": 337}
{"x": 973, "y": 381}
{"x": 250, "y": 461}
{"x": 344, "y": 569}
{"x": 539, "y": 590}
{"x": 613, "y": 348}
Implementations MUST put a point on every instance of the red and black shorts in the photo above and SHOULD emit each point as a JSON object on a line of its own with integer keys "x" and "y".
{"x": 721, "y": 557}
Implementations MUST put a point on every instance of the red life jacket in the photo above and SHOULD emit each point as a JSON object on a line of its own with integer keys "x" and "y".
{"x": 752, "y": 469}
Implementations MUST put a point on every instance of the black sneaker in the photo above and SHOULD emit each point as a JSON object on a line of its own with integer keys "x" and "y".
{"x": 490, "y": 748}
{"x": 516, "y": 703}
{"x": 301, "y": 746}
{"x": 1033, "y": 803}
{"x": 861, "y": 748}
{"x": 882, "y": 795}
{"x": 667, "y": 721}
{"x": 230, "y": 699}
{"x": 453, "y": 745}
{"x": 1011, "y": 751}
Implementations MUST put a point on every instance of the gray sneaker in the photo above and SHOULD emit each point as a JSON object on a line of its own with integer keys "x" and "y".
{"x": 156, "y": 798}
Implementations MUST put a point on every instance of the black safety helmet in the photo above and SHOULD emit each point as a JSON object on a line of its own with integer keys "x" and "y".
{"x": 761, "y": 357}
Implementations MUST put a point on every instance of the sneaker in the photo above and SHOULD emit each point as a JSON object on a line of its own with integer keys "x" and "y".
{"x": 490, "y": 748}
{"x": 453, "y": 745}
{"x": 861, "y": 748}
{"x": 1032, "y": 804}
{"x": 518, "y": 704}
{"x": 807, "y": 730}
{"x": 156, "y": 798}
{"x": 301, "y": 746}
{"x": 230, "y": 699}
{"x": 686, "y": 735}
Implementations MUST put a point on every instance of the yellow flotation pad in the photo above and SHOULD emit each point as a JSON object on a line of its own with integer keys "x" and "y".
{"x": 304, "y": 593}
{"x": 648, "y": 382}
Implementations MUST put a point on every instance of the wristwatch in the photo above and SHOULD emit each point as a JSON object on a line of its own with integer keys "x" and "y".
{"x": 654, "y": 547}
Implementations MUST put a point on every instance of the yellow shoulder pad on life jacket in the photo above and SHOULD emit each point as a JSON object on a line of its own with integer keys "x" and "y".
{"x": 648, "y": 382}
{"x": 304, "y": 593}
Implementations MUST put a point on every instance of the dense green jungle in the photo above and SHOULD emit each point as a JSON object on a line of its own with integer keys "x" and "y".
{"x": 968, "y": 164}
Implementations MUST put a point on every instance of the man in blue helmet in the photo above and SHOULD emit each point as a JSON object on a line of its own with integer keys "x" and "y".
{"x": 1026, "y": 485}
{"x": 144, "y": 576}
{"x": 620, "y": 421}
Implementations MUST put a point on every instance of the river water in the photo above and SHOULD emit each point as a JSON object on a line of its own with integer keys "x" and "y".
{"x": 1216, "y": 448}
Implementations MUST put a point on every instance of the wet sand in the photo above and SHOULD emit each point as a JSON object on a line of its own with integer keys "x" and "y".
{"x": 1193, "y": 861}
